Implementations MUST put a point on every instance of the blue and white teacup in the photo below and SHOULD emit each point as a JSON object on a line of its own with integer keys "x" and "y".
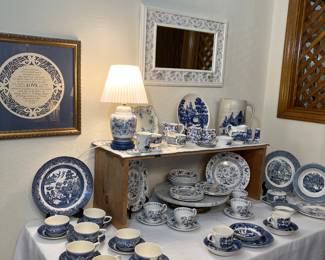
{"x": 154, "y": 211}
{"x": 127, "y": 238}
{"x": 169, "y": 128}
{"x": 147, "y": 251}
{"x": 185, "y": 216}
{"x": 88, "y": 231}
{"x": 56, "y": 225}
{"x": 97, "y": 216}
{"x": 221, "y": 237}
{"x": 81, "y": 249}
{"x": 240, "y": 206}
{"x": 194, "y": 134}
{"x": 276, "y": 196}
{"x": 280, "y": 219}
{"x": 208, "y": 136}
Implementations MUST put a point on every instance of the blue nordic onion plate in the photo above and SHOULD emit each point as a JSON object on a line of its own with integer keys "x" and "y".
{"x": 309, "y": 183}
{"x": 280, "y": 168}
{"x": 62, "y": 185}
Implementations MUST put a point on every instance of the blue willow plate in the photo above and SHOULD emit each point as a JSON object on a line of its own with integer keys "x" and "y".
{"x": 265, "y": 239}
{"x": 280, "y": 168}
{"x": 64, "y": 256}
{"x": 309, "y": 182}
{"x": 62, "y": 185}
{"x": 162, "y": 257}
{"x": 236, "y": 246}
{"x": 193, "y": 110}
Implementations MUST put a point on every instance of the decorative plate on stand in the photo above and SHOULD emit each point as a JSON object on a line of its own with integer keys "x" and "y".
{"x": 309, "y": 182}
{"x": 229, "y": 170}
{"x": 280, "y": 167}
{"x": 63, "y": 185}
{"x": 147, "y": 119}
{"x": 138, "y": 186}
{"x": 193, "y": 110}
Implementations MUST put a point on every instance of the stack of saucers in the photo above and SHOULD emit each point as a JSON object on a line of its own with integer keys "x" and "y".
{"x": 184, "y": 219}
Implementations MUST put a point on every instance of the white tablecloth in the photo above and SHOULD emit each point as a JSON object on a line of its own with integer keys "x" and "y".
{"x": 307, "y": 244}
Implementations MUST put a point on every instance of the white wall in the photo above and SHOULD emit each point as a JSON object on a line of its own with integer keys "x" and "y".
{"x": 303, "y": 139}
{"x": 109, "y": 31}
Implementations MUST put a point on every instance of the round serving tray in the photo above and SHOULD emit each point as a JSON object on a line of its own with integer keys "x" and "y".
{"x": 162, "y": 192}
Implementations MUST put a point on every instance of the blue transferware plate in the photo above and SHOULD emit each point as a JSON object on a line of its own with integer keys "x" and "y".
{"x": 193, "y": 110}
{"x": 236, "y": 246}
{"x": 64, "y": 256}
{"x": 162, "y": 257}
{"x": 309, "y": 183}
{"x": 63, "y": 186}
{"x": 291, "y": 229}
{"x": 101, "y": 226}
{"x": 43, "y": 234}
{"x": 280, "y": 168}
{"x": 265, "y": 239}
{"x": 112, "y": 245}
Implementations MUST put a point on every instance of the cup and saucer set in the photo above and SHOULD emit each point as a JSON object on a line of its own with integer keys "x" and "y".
{"x": 279, "y": 223}
{"x": 148, "y": 250}
{"x": 55, "y": 227}
{"x": 221, "y": 241}
{"x": 205, "y": 137}
{"x": 125, "y": 241}
{"x": 97, "y": 216}
{"x": 153, "y": 214}
{"x": 184, "y": 219}
{"x": 80, "y": 250}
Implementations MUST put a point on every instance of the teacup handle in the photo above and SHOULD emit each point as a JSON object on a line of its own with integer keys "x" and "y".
{"x": 96, "y": 246}
{"x": 210, "y": 238}
{"x": 101, "y": 233}
{"x": 194, "y": 212}
{"x": 107, "y": 219}
{"x": 228, "y": 129}
{"x": 270, "y": 220}
{"x": 164, "y": 208}
{"x": 182, "y": 128}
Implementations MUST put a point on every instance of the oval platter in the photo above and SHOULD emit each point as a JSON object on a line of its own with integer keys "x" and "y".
{"x": 63, "y": 185}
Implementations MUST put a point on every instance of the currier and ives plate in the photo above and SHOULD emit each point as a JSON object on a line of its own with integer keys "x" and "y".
{"x": 229, "y": 170}
{"x": 62, "y": 185}
{"x": 280, "y": 168}
{"x": 137, "y": 186}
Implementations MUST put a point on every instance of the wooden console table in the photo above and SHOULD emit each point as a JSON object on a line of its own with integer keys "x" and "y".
{"x": 111, "y": 173}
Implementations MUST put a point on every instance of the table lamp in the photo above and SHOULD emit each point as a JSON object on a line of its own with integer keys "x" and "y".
{"x": 124, "y": 85}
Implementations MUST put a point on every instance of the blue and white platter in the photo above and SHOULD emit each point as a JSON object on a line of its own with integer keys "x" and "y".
{"x": 279, "y": 171}
{"x": 193, "y": 110}
{"x": 229, "y": 170}
{"x": 112, "y": 245}
{"x": 64, "y": 256}
{"x": 41, "y": 231}
{"x": 63, "y": 185}
{"x": 236, "y": 246}
{"x": 309, "y": 183}
{"x": 290, "y": 230}
{"x": 265, "y": 239}
{"x": 312, "y": 210}
{"x": 146, "y": 119}
{"x": 162, "y": 257}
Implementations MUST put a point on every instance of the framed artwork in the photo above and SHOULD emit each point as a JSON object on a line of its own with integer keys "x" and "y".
{"x": 181, "y": 50}
{"x": 39, "y": 86}
{"x": 302, "y": 87}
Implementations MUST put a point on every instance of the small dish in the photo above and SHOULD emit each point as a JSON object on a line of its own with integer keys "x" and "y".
{"x": 112, "y": 245}
{"x": 144, "y": 220}
{"x": 171, "y": 222}
{"x": 186, "y": 193}
{"x": 243, "y": 215}
{"x": 236, "y": 246}
{"x": 290, "y": 230}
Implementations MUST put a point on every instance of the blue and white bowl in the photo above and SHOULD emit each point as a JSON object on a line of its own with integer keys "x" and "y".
{"x": 127, "y": 239}
{"x": 56, "y": 225}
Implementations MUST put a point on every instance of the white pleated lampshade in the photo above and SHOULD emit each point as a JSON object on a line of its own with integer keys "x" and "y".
{"x": 124, "y": 85}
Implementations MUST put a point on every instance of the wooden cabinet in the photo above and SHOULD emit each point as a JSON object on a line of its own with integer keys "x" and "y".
{"x": 111, "y": 174}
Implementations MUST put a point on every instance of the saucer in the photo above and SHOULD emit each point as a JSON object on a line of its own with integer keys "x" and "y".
{"x": 43, "y": 234}
{"x": 290, "y": 230}
{"x": 71, "y": 236}
{"x": 144, "y": 220}
{"x": 162, "y": 257}
{"x": 236, "y": 246}
{"x": 113, "y": 247}
{"x": 230, "y": 213}
{"x": 101, "y": 226}
{"x": 64, "y": 256}
{"x": 171, "y": 222}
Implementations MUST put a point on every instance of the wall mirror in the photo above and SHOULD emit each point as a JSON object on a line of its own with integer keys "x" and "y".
{"x": 180, "y": 50}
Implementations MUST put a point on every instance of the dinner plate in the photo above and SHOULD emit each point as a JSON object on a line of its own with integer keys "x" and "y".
{"x": 193, "y": 110}
{"x": 146, "y": 119}
{"x": 312, "y": 210}
{"x": 280, "y": 168}
{"x": 229, "y": 170}
{"x": 63, "y": 186}
{"x": 309, "y": 183}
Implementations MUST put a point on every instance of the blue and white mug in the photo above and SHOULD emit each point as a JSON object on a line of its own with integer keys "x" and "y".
{"x": 88, "y": 231}
{"x": 97, "y": 216}
{"x": 56, "y": 225}
{"x": 81, "y": 249}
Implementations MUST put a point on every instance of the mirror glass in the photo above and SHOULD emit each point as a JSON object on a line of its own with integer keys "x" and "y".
{"x": 183, "y": 49}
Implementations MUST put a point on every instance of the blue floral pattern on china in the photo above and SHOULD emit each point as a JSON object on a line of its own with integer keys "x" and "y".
{"x": 62, "y": 185}
{"x": 280, "y": 168}
{"x": 146, "y": 119}
{"x": 122, "y": 127}
{"x": 192, "y": 110}
{"x": 308, "y": 183}
{"x": 229, "y": 170}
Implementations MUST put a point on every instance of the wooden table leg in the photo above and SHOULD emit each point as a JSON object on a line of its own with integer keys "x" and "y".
{"x": 111, "y": 186}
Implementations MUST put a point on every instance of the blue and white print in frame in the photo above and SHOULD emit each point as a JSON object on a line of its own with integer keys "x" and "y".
{"x": 280, "y": 168}
{"x": 309, "y": 183}
{"x": 39, "y": 86}
{"x": 147, "y": 119}
{"x": 63, "y": 185}
{"x": 193, "y": 110}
